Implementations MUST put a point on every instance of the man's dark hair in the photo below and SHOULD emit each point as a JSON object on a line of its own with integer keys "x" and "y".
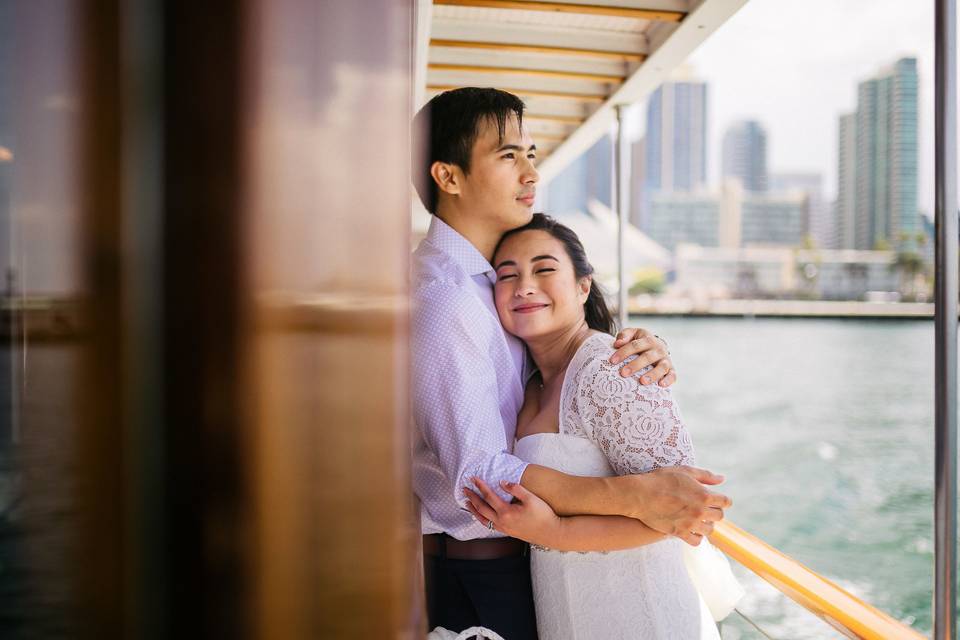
{"x": 445, "y": 129}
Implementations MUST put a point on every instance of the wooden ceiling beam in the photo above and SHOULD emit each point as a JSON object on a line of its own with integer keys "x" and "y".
{"x": 532, "y": 48}
{"x": 543, "y": 73}
{"x": 584, "y": 97}
{"x": 565, "y": 7}
{"x": 549, "y": 118}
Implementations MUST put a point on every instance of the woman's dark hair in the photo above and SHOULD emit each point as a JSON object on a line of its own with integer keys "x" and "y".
{"x": 445, "y": 129}
{"x": 595, "y": 308}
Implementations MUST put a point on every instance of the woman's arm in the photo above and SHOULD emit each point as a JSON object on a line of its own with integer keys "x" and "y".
{"x": 603, "y": 533}
{"x": 530, "y": 518}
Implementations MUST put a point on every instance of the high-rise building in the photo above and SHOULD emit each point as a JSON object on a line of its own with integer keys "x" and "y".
{"x": 877, "y": 187}
{"x": 675, "y": 153}
{"x": 638, "y": 212}
{"x": 587, "y": 178}
{"x": 745, "y": 154}
{"x": 845, "y": 207}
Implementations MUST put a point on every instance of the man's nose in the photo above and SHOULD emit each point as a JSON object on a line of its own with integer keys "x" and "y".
{"x": 531, "y": 175}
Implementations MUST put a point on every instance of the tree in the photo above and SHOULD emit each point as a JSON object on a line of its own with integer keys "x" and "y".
{"x": 909, "y": 264}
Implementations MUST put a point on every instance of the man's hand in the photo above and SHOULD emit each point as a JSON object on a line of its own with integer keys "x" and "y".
{"x": 528, "y": 518}
{"x": 650, "y": 350}
{"x": 674, "y": 501}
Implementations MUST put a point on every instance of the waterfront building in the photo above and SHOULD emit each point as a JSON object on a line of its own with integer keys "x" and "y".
{"x": 819, "y": 221}
{"x": 729, "y": 218}
{"x": 750, "y": 272}
{"x": 684, "y": 217}
{"x": 773, "y": 218}
{"x": 877, "y": 161}
{"x": 744, "y": 154}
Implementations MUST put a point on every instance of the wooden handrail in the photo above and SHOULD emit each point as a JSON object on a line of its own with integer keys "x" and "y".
{"x": 838, "y": 608}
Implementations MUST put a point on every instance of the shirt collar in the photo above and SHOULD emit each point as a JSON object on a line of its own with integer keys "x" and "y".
{"x": 449, "y": 241}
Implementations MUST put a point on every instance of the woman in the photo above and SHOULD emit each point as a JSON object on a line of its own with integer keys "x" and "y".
{"x": 593, "y": 576}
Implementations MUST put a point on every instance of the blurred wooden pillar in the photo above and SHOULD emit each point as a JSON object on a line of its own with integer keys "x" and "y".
{"x": 206, "y": 320}
{"x": 329, "y": 233}
{"x": 244, "y": 247}
{"x": 104, "y": 547}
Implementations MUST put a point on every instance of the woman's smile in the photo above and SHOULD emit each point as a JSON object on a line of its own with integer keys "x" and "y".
{"x": 530, "y": 307}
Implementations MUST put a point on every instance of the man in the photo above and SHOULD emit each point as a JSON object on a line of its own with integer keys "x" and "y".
{"x": 477, "y": 176}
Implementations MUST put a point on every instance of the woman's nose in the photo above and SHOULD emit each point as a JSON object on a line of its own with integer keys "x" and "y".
{"x": 524, "y": 288}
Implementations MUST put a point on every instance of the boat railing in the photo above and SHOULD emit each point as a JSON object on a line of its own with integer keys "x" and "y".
{"x": 845, "y": 612}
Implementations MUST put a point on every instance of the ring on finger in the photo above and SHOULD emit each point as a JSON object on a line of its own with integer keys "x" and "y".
{"x": 490, "y": 525}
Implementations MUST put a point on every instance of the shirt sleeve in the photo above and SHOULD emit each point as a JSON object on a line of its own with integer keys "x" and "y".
{"x": 638, "y": 427}
{"x": 455, "y": 393}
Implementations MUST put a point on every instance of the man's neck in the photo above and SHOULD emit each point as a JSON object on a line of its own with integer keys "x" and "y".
{"x": 474, "y": 228}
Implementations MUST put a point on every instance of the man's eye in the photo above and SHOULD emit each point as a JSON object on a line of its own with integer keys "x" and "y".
{"x": 508, "y": 156}
{"x": 532, "y": 156}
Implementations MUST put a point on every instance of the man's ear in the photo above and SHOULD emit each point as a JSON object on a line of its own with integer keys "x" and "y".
{"x": 584, "y": 288}
{"x": 447, "y": 177}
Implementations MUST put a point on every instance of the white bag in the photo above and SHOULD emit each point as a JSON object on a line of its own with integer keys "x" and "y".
{"x": 712, "y": 576}
{"x": 468, "y": 634}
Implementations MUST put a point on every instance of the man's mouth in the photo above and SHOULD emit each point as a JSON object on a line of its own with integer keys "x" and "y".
{"x": 530, "y": 308}
{"x": 528, "y": 199}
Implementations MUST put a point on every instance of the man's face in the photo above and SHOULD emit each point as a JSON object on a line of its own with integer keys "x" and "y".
{"x": 501, "y": 185}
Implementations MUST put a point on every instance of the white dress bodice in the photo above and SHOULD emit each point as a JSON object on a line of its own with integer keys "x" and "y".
{"x": 611, "y": 425}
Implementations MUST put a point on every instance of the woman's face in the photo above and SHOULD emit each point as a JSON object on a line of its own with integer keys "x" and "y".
{"x": 537, "y": 291}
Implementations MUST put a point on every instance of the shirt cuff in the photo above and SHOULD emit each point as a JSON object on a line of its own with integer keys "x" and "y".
{"x": 508, "y": 467}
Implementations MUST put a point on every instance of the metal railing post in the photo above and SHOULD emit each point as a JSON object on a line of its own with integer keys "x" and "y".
{"x": 622, "y": 190}
{"x": 946, "y": 292}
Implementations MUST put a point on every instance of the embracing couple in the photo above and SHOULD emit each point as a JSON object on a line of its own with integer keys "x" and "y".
{"x": 550, "y": 459}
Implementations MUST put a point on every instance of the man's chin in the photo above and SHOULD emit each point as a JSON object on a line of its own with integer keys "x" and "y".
{"x": 525, "y": 216}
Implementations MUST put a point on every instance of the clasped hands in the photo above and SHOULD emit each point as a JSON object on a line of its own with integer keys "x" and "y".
{"x": 670, "y": 500}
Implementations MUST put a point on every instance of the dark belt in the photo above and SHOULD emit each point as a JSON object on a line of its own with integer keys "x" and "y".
{"x": 442, "y": 545}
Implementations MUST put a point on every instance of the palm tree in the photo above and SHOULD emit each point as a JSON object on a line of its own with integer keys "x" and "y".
{"x": 909, "y": 264}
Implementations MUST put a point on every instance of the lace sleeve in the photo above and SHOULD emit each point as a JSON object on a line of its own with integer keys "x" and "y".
{"x": 638, "y": 427}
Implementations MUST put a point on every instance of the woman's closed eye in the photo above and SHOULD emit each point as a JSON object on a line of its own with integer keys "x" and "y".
{"x": 545, "y": 270}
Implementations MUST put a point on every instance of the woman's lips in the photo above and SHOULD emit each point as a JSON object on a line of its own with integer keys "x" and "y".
{"x": 529, "y": 308}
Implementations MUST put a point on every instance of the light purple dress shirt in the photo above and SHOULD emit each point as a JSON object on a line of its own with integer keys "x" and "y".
{"x": 467, "y": 383}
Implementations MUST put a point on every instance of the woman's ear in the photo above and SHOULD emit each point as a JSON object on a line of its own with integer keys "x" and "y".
{"x": 583, "y": 287}
{"x": 446, "y": 176}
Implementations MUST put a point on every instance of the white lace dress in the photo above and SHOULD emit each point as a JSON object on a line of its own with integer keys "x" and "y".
{"x": 611, "y": 425}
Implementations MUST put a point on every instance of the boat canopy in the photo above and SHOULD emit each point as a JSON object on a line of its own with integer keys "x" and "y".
{"x": 573, "y": 63}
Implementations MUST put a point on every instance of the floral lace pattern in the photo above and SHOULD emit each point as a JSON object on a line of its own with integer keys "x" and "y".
{"x": 611, "y": 425}
{"x": 638, "y": 427}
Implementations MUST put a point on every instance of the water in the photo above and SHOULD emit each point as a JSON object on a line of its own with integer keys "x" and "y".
{"x": 824, "y": 429}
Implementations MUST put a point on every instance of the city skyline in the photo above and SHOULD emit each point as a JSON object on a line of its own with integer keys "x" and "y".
{"x": 798, "y": 90}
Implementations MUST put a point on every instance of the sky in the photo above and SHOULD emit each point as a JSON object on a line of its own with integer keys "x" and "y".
{"x": 795, "y": 66}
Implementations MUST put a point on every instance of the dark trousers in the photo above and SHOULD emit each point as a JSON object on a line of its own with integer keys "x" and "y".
{"x": 495, "y": 594}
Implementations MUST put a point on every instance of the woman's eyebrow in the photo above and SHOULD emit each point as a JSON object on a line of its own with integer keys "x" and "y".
{"x": 544, "y": 257}
{"x": 505, "y": 263}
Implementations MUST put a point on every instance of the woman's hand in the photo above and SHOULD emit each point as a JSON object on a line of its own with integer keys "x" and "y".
{"x": 650, "y": 350}
{"x": 528, "y": 518}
